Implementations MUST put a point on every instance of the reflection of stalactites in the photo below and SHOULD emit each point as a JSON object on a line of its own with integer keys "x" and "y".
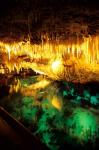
{"x": 32, "y": 89}
{"x": 16, "y": 86}
{"x": 56, "y": 102}
{"x": 28, "y": 92}
{"x": 39, "y": 85}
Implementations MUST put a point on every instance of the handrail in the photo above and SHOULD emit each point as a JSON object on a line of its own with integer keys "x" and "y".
{"x": 23, "y": 132}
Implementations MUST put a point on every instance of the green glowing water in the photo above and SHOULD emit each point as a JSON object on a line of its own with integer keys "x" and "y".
{"x": 83, "y": 124}
{"x": 71, "y": 124}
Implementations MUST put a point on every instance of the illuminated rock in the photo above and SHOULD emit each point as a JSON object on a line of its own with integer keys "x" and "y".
{"x": 94, "y": 100}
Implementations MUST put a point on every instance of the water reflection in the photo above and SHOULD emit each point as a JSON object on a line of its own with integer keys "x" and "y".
{"x": 52, "y": 109}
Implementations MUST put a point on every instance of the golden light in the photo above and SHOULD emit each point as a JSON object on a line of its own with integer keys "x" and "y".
{"x": 56, "y": 65}
{"x": 56, "y": 103}
{"x": 67, "y": 61}
{"x": 29, "y": 90}
{"x": 39, "y": 85}
{"x": 39, "y": 72}
{"x": 16, "y": 86}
